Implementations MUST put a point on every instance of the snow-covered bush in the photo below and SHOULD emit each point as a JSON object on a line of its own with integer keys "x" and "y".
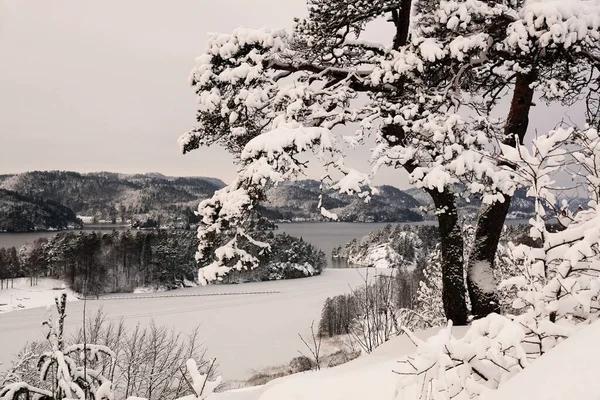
{"x": 65, "y": 368}
{"x": 146, "y": 362}
{"x": 558, "y": 290}
{"x": 376, "y": 320}
{"x": 428, "y": 299}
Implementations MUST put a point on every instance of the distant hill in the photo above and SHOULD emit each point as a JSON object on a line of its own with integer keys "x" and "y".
{"x": 171, "y": 201}
{"x": 20, "y": 213}
{"x": 299, "y": 200}
{"x": 521, "y": 206}
{"x": 109, "y": 195}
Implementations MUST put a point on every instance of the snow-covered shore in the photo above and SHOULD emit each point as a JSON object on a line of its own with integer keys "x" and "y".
{"x": 21, "y": 295}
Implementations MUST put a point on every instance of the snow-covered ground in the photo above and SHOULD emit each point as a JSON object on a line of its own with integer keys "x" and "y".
{"x": 244, "y": 331}
{"x": 21, "y": 295}
{"x": 569, "y": 371}
{"x": 368, "y": 377}
{"x": 381, "y": 256}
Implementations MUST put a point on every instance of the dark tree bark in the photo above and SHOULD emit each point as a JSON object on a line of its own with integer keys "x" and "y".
{"x": 453, "y": 280}
{"x": 401, "y": 19}
{"x": 482, "y": 292}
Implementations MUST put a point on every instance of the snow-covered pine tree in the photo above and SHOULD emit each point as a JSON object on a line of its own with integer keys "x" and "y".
{"x": 426, "y": 97}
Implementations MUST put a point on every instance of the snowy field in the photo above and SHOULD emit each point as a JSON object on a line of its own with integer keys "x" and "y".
{"x": 244, "y": 331}
{"x": 21, "y": 295}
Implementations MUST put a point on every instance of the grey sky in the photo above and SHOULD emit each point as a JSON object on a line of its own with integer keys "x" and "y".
{"x": 102, "y": 85}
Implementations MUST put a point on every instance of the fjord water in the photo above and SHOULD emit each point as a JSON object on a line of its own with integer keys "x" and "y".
{"x": 324, "y": 235}
{"x": 22, "y": 238}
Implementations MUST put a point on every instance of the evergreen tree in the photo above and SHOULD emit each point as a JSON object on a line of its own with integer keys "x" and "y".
{"x": 458, "y": 56}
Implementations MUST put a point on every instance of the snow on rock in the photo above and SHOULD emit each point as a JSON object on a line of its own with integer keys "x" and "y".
{"x": 569, "y": 371}
{"x": 328, "y": 214}
{"x": 22, "y": 295}
{"x": 382, "y": 256}
{"x": 392, "y": 247}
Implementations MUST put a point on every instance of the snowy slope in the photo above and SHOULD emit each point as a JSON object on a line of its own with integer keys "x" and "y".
{"x": 299, "y": 200}
{"x": 368, "y": 377}
{"x": 20, "y": 213}
{"x": 104, "y": 193}
{"x": 569, "y": 371}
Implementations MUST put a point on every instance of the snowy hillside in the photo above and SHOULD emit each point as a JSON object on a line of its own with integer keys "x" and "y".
{"x": 569, "y": 371}
{"x": 298, "y": 200}
{"x": 390, "y": 247}
{"x": 368, "y": 377}
{"x": 111, "y": 195}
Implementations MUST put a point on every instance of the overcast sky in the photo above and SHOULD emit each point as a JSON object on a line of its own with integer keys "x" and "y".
{"x": 102, "y": 85}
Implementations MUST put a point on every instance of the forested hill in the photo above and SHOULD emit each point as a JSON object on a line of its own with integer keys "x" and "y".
{"x": 299, "y": 200}
{"x": 170, "y": 201}
{"x": 111, "y": 195}
{"x": 521, "y": 206}
{"x": 20, "y": 213}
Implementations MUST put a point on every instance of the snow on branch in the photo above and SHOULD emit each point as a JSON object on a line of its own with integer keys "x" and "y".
{"x": 201, "y": 384}
{"x": 557, "y": 293}
{"x": 269, "y": 97}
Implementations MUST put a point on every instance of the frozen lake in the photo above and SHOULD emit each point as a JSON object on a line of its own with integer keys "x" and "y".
{"x": 244, "y": 332}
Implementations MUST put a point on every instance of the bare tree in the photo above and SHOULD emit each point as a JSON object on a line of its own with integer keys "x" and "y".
{"x": 314, "y": 347}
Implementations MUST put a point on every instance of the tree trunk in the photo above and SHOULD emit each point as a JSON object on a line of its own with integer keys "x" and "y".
{"x": 401, "y": 19}
{"x": 453, "y": 280}
{"x": 480, "y": 282}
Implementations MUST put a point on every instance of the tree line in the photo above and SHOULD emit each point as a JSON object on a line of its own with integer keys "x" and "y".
{"x": 94, "y": 263}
